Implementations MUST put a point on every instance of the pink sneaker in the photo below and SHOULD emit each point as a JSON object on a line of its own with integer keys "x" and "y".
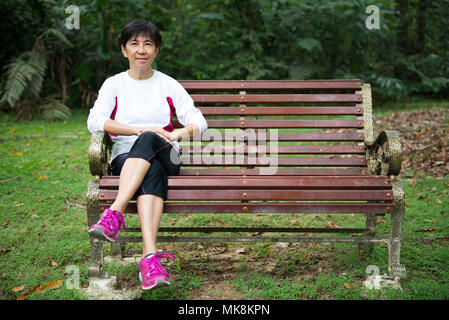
{"x": 107, "y": 228}
{"x": 152, "y": 274}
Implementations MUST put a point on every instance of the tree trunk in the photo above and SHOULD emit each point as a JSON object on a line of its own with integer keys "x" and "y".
{"x": 420, "y": 44}
{"x": 403, "y": 36}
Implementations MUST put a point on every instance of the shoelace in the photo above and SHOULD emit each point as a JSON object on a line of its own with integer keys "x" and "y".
{"x": 155, "y": 266}
{"x": 110, "y": 218}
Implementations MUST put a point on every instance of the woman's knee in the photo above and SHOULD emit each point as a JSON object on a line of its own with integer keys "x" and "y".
{"x": 148, "y": 137}
{"x": 155, "y": 181}
{"x": 145, "y": 146}
{"x": 156, "y": 171}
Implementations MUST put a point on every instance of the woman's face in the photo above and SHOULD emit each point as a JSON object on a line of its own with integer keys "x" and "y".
{"x": 140, "y": 51}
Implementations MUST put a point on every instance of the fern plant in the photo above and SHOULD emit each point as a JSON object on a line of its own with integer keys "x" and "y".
{"x": 55, "y": 110}
{"x": 24, "y": 77}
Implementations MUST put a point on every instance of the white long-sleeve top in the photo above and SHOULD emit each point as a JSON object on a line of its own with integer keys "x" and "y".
{"x": 142, "y": 103}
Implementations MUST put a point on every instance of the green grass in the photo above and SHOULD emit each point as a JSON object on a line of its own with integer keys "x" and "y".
{"x": 416, "y": 103}
{"x": 44, "y": 173}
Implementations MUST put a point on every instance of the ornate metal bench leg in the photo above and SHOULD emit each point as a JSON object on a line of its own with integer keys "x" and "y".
{"x": 371, "y": 224}
{"x": 395, "y": 267}
{"x": 118, "y": 248}
{"x": 94, "y": 269}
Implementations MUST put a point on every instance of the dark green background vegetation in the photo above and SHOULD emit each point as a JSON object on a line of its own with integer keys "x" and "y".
{"x": 222, "y": 39}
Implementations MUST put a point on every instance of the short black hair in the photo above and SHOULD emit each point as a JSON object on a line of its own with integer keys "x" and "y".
{"x": 139, "y": 27}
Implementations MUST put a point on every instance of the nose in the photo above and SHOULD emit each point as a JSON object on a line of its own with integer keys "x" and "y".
{"x": 140, "y": 49}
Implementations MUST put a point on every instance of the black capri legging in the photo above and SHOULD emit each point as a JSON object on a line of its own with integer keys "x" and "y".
{"x": 164, "y": 160}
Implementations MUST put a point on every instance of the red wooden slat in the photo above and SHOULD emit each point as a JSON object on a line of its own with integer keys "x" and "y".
{"x": 262, "y": 124}
{"x": 272, "y": 161}
{"x": 247, "y": 194}
{"x": 285, "y": 182}
{"x": 211, "y": 135}
{"x": 275, "y": 110}
{"x": 279, "y": 172}
{"x": 299, "y": 149}
{"x": 227, "y": 207}
{"x": 275, "y": 98}
{"x": 265, "y": 85}
{"x": 369, "y": 182}
{"x": 321, "y": 136}
{"x": 266, "y": 194}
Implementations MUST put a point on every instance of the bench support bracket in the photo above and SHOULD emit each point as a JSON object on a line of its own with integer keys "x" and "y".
{"x": 395, "y": 267}
{"x": 95, "y": 268}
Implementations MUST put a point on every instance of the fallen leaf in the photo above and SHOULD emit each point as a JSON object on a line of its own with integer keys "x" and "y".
{"x": 427, "y": 230}
{"x": 18, "y": 288}
{"x": 77, "y": 205}
{"x": 240, "y": 250}
{"x": 43, "y": 177}
{"x": 39, "y": 288}
{"x": 5, "y": 225}
{"x": 347, "y": 285}
{"x": 53, "y": 284}
{"x": 20, "y": 204}
{"x": 26, "y": 294}
{"x": 282, "y": 244}
{"x": 53, "y": 263}
{"x": 221, "y": 248}
{"x": 332, "y": 224}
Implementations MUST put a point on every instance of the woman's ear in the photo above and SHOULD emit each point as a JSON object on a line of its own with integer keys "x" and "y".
{"x": 125, "y": 54}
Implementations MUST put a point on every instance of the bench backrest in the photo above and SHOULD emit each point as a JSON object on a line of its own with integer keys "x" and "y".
{"x": 312, "y": 127}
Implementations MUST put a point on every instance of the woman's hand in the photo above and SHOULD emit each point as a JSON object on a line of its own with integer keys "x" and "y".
{"x": 167, "y": 136}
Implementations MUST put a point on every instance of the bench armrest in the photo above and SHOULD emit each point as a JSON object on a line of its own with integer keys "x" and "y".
{"x": 384, "y": 154}
{"x": 99, "y": 151}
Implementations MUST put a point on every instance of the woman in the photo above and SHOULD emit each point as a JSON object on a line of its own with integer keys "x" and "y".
{"x": 136, "y": 108}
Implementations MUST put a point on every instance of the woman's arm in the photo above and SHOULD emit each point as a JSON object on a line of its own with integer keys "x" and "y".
{"x": 185, "y": 133}
{"x": 114, "y": 127}
{"x": 117, "y": 128}
{"x": 177, "y": 135}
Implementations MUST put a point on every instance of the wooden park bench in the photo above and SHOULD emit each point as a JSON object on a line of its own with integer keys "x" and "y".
{"x": 273, "y": 147}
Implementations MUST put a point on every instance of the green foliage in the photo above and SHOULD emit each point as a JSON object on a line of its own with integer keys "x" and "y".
{"x": 254, "y": 39}
{"x": 55, "y": 110}
{"x": 24, "y": 75}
